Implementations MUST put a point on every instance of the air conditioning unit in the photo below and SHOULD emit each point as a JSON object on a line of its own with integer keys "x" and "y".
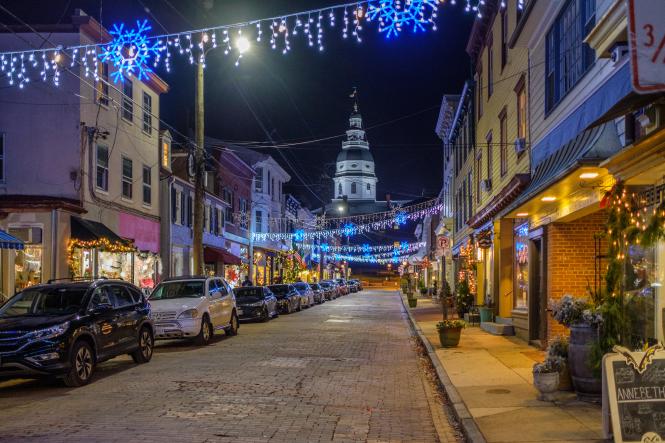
{"x": 618, "y": 52}
{"x": 487, "y": 185}
{"x": 520, "y": 145}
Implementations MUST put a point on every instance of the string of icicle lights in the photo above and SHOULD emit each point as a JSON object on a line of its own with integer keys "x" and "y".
{"x": 371, "y": 258}
{"x": 134, "y": 52}
{"x": 349, "y": 229}
{"x": 366, "y": 248}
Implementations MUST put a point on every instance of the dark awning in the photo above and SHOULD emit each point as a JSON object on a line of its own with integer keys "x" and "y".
{"x": 88, "y": 230}
{"x": 8, "y": 241}
{"x": 213, "y": 254}
{"x": 589, "y": 148}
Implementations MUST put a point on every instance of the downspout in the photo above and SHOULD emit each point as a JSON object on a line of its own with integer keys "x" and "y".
{"x": 54, "y": 243}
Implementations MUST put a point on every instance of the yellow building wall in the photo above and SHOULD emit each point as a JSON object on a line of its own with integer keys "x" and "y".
{"x": 503, "y": 97}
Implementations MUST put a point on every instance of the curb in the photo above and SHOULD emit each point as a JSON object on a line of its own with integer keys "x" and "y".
{"x": 469, "y": 426}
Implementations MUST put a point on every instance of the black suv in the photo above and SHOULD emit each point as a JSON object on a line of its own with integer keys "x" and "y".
{"x": 65, "y": 329}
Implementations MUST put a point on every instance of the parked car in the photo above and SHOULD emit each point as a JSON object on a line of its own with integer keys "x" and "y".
{"x": 329, "y": 292}
{"x": 306, "y": 293}
{"x": 344, "y": 287}
{"x": 353, "y": 287}
{"x": 255, "y": 303}
{"x": 66, "y": 329}
{"x": 337, "y": 291}
{"x": 193, "y": 308}
{"x": 319, "y": 293}
{"x": 288, "y": 299}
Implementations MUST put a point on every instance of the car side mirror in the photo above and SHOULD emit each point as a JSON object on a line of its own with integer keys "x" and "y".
{"x": 102, "y": 308}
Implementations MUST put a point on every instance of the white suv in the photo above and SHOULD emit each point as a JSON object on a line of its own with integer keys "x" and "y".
{"x": 193, "y": 307}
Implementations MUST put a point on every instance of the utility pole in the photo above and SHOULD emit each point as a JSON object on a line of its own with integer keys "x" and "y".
{"x": 199, "y": 174}
{"x": 251, "y": 238}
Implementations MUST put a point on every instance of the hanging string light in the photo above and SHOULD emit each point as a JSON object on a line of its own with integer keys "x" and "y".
{"x": 356, "y": 225}
{"x": 133, "y": 52}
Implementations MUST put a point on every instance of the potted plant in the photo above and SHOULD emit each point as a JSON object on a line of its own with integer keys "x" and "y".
{"x": 450, "y": 331}
{"x": 546, "y": 378}
{"x": 558, "y": 350}
{"x": 583, "y": 320}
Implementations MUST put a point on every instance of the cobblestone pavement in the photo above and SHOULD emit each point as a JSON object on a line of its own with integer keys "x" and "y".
{"x": 343, "y": 371}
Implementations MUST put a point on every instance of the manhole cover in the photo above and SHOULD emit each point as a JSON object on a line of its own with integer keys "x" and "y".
{"x": 498, "y": 391}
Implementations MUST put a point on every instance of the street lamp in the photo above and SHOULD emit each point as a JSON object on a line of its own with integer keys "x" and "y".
{"x": 242, "y": 45}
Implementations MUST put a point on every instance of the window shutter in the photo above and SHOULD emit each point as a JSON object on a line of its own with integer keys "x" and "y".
{"x": 182, "y": 208}
{"x": 173, "y": 204}
{"x": 189, "y": 210}
{"x": 213, "y": 220}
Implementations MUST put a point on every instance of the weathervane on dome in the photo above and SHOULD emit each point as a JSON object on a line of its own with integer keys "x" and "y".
{"x": 354, "y": 96}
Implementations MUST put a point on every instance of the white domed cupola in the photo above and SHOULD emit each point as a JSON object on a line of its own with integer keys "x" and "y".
{"x": 355, "y": 177}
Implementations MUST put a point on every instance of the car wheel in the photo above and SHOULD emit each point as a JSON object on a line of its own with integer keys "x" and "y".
{"x": 233, "y": 328}
{"x": 82, "y": 362}
{"x": 265, "y": 315}
{"x": 205, "y": 334}
{"x": 146, "y": 345}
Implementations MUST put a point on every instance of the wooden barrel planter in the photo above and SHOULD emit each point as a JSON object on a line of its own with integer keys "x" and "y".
{"x": 587, "y": 387}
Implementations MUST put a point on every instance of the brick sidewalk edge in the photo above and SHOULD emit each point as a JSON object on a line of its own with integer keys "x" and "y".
{"x": 469, "y": 427}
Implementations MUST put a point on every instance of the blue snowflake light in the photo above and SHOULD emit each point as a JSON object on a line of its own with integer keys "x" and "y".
{"x": 130, "y": 51}
{"x": 400, "y": 218}
{"x": 394, "y": 15}
{"x": 349, "y": 229}
{"x": 404, "y": 245}
{"x": 299, "y": 235}
{"x": 366, "y": 248}
{"x": 325, "y": 247}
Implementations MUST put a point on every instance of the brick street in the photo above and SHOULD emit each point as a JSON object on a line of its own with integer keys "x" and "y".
{"x": 343, "y": 371}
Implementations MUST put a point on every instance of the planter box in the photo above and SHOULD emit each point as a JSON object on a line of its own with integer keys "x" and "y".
{"x": 450, "y": 337}
{"x": 413, "y": 302}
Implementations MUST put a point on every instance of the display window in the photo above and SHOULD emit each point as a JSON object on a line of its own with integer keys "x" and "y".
{"x": 28, "y": 265}
{"x": 521, "y": 289}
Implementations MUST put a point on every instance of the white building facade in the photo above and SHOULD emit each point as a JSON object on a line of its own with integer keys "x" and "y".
{"x": 355, "y": 178}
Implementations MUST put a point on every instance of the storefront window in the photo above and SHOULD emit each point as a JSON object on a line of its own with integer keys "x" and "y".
{"x": 521, "y": 292}
{"x": 146, "y": 267}
{"x": 645, "y": 298}
{"x": 115, "y": 265}
{"x": 232, "y": 275}
{"x": 177, "y": 262}
{"x": 28, "y": 267}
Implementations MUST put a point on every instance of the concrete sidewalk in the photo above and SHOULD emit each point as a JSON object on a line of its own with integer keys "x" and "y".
{"x": 492, "y": 377}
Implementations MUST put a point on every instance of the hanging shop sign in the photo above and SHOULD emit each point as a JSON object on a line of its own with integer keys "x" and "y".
{"x": 646, "y": 32}
{"x": 635, "y": 393}
{"x": 484, "y": 239}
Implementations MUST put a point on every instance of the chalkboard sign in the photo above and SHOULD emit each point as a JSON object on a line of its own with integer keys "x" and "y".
{"x": 635, "y": 388}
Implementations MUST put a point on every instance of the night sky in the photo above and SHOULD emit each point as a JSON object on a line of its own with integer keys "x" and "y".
{"x": 304, "y": 94}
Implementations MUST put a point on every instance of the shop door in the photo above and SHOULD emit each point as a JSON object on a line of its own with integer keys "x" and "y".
{"x": 537, "y": 289}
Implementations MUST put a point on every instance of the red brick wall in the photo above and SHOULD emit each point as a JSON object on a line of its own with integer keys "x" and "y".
{"x": 571, "y": 260}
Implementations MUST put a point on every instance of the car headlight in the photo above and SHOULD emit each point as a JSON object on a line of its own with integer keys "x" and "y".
{"x": 52, "y": 332}
{"x": 190, "y": 313}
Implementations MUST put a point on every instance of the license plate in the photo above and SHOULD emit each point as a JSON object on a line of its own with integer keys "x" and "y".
{"x": 240, "y": 312}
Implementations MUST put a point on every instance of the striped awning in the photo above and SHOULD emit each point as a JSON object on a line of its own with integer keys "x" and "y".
{"x": 8, "y": 241}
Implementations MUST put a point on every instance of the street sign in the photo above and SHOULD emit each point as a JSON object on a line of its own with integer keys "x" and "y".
{"x": 442, "y": 246}
{"x": 634, "y": 390}
{"x": 646, "y": 35}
